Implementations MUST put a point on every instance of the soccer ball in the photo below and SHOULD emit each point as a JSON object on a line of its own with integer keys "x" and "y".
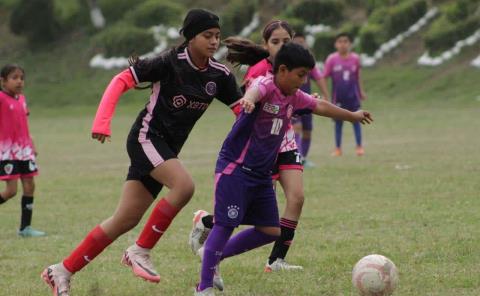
{"x": 375, "y": 275}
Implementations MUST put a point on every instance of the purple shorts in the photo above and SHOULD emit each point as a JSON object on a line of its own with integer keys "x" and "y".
{"x": 245, "y": 199}
{"x": 306, "y": 120}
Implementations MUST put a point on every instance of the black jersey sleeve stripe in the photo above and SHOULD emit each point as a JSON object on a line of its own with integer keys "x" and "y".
{"x": 132, "y": 70}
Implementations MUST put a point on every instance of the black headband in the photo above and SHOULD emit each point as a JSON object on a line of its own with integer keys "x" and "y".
{"x": 197, "y": 21}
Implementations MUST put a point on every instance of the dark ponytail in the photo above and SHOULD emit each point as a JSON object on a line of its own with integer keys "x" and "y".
{"x": 242, "y": 51}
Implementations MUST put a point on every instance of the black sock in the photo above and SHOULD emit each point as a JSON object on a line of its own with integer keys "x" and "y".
{"x": 208, "y": 221}
{"x": 1, "y": 199}
{"x": 282, "y": 244}
{"x": 27, "y": 207}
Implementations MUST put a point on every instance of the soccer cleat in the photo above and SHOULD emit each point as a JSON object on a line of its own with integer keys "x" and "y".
{"x": 199, "y": 232}
{"x": 281, "y": 265}
{"x": 58, "y": 279}
{"x": 217, "y": 278}
{"x": 337, "y": 152}
{"x": 139, "y": 260}
{"x": 359, "y": 150}
{"x": 206, "y": 292}
{"x": 30, "y": 232}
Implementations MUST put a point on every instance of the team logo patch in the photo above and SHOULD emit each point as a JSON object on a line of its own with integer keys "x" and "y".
{"x": 271, "y": 108}
{"x": 8, "y": 168}
{"x": 211, "y": 88}
{"x": 179, "y": 101}
{"x": 289, "y": 111}
{"x": 233, "y": 211}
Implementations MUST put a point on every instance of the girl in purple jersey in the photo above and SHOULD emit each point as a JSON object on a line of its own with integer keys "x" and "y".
{"x": 243, "y": 187}
{"x": 303, "y": 124}
{"x": 347, "y": 91}
{"x": 184, "y": 80}
{"x": 17, "y": 151}
{"x": 288, "y": 168}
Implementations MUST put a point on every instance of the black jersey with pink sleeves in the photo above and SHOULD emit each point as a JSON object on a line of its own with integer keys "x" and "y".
{"x": 181, "y": 93}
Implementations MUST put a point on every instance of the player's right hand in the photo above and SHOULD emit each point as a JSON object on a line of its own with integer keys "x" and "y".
{"x": 247, "y": 105}
{"x": 101, "y": 137}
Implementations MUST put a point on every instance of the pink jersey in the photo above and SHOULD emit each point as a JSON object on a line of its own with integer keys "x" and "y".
{"x": 15, "y": 140}
{"x": 345, "y": 74}
{"x": 262, "y": 68}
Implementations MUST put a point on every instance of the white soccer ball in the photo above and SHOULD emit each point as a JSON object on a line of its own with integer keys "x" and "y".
{"x": 375, "y": 275}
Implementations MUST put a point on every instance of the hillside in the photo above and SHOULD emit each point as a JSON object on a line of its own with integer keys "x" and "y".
{"x": 58, "y": 73}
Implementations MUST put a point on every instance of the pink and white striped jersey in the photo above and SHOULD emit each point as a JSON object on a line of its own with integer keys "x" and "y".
{"x": 15, "y": 140}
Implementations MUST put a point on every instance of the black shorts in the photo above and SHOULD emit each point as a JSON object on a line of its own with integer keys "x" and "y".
{"x": 288, "y": 160}
{"x": 17, "y": 169}
{"x": 144, "y": 156}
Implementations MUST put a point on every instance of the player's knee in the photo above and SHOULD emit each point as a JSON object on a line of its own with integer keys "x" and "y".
{"x": 29, "y": 188}
{"x": 295, "y": 199}
{"x": 272, "y": 231}
{"x": 9, "y": 193}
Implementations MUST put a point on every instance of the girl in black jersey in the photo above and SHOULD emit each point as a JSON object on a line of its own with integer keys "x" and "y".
{"x": 185, "y": 81}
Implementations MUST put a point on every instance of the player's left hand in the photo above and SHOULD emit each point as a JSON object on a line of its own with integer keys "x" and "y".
{"x": 363, "y": 96}
{"x": 247, "y": 105}
{"x": 101, "y": 137}
{"x": 363, "y": 116}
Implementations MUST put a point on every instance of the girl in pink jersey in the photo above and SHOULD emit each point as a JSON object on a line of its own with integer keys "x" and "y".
{"x": 343, "y": 67}
{"x": 17, "y": 151}
{"x": 288, "y": 168}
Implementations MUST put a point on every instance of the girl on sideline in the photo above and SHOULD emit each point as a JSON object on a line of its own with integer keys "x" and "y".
{"x": 343, "y": 67}
{"x": 185, "y": 81}
{"x": 17, "y": 151}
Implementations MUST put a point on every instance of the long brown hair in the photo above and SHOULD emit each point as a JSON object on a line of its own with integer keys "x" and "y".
{"x": 242, "y": 51}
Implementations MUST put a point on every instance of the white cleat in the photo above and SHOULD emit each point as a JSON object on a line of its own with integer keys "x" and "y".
{"x": 58, "y": 279}
{"x": 199, "y": 232}
{"x": 217, "y": 278}
{"x": 206, "y": 292}
{"x": 139, "y": 260}
{"x": 281, "y": 265}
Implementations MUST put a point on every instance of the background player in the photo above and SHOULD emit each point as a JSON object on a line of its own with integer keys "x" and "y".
{"x": 17, "y": 151}
{"x": 343, "y": 67}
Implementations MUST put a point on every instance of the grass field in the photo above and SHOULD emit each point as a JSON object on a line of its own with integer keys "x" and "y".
{"x": 413, "y": 197}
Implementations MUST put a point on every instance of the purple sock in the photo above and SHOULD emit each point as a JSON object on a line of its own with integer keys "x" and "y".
{"x": 216, "y": 241}
{"x": 304, "y": 147}
{"x": 246, "y": 240}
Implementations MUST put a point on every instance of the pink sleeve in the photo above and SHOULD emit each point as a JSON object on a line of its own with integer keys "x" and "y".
{"x": 304, "y": 101}
{"x": 119, "y": 84}
{"x": 315, "y": 74}
{"x": 327, "y": 69}
{"x": 262, "y": 84}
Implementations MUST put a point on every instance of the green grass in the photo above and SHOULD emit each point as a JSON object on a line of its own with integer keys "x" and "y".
{"x": 425, "y": 217}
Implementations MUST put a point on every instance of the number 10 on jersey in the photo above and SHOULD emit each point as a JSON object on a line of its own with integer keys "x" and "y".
{"x": 276, "y": 126}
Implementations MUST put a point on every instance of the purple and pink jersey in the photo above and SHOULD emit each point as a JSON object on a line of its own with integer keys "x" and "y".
{"x": 265, "y": 67}
{"x": 255, "y": 139}
{"x": 345, "y": 80}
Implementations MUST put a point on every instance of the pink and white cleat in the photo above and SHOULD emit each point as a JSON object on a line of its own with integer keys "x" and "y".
{"x": 57, "y": 277}
{"x": 139, "y": 260}
{"x": 199, "y": 232}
